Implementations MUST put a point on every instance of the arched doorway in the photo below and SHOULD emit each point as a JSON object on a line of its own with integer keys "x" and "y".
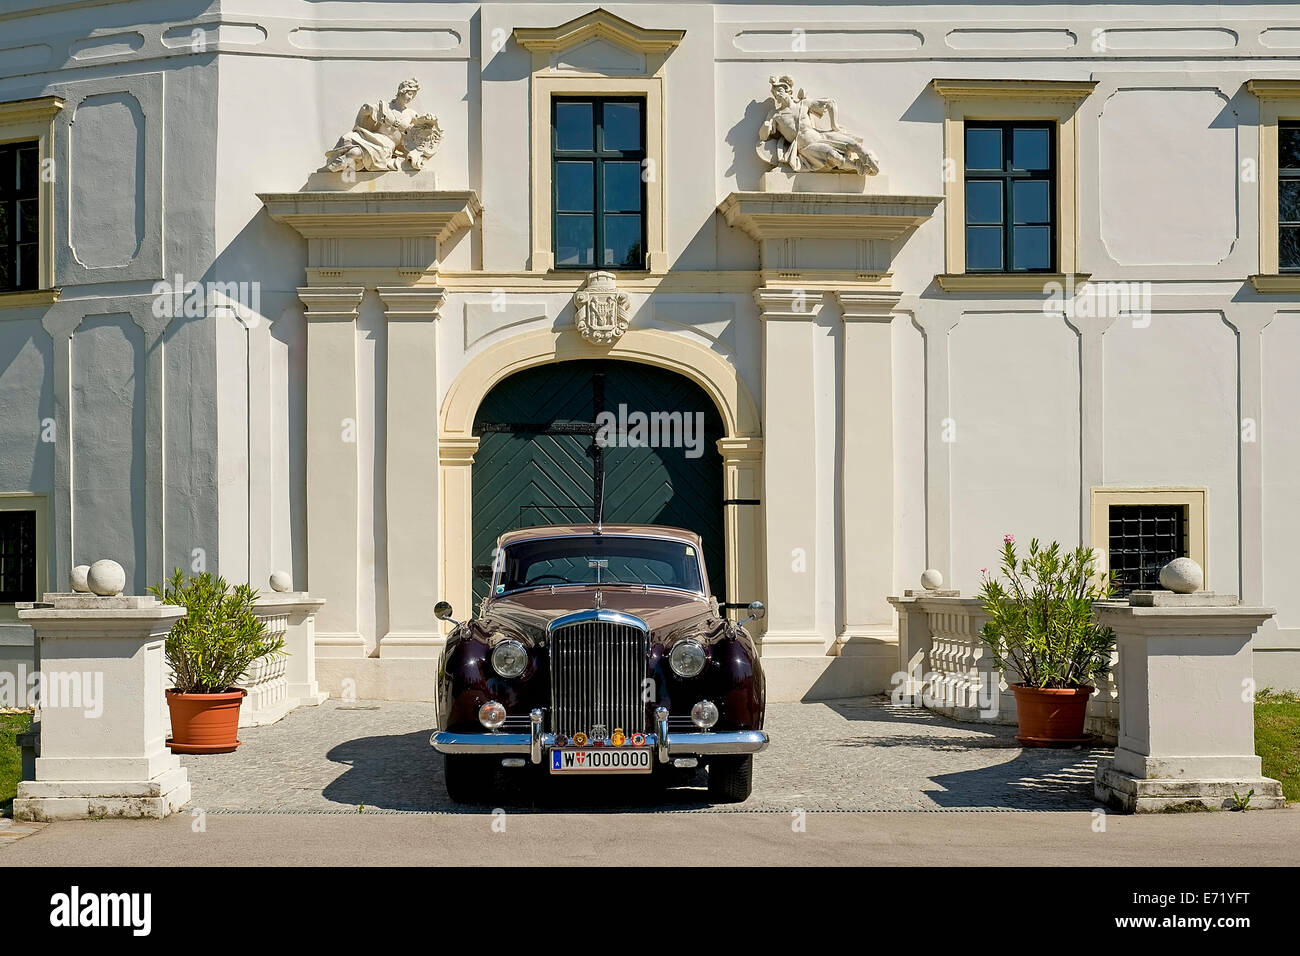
{"x": 569, "y": 441}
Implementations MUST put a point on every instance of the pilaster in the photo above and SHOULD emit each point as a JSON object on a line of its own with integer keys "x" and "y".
{"x": 412, "y": 472}
{"x": 456, "y": 464}
{"x": 866, "y": 481}
{"x": 789, "y": 468}
{"x": 333, "y": 488}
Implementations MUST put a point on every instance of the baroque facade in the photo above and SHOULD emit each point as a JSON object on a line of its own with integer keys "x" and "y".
{"x": 347, "y": 296}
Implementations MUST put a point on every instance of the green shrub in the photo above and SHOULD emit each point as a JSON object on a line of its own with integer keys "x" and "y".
{"x": 219, "y": 638}
{"x": 1040, "y": 621}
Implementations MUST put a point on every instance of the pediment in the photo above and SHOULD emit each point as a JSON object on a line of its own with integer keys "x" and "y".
{"x": 598, "y": 55}
{"x": 601, "y": 25}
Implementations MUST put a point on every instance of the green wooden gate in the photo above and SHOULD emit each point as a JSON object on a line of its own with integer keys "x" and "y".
{"x": 539, "y": 461}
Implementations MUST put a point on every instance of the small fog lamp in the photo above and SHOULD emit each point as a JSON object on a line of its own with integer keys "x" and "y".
{"x": 492, "y": 715}
{"x": 704, "y": 714}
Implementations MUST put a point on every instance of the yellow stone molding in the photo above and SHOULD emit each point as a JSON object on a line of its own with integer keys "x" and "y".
{"x": 23, "y": 300}
{"x": 1194, "y": 500}
{"x": 1279, "y": 100}
{"x": 33, "y": 120}
{"x": 1054, "y": 101}
{"x": 1005, "y": 281}
{"x": 599, "y": 23}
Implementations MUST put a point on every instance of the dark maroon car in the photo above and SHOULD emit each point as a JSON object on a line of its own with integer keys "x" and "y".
{"x": 599, "y": 650}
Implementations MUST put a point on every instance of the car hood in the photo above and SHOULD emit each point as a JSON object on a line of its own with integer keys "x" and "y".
{"x": 662, "y": 610}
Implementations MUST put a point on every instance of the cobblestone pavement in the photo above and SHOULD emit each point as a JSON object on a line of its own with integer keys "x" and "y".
{"x": 858, "y": 755}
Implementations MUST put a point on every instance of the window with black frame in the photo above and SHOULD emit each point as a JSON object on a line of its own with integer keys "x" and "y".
{"x": 598, "y": 151}
{"x": 1010, "y": 197}
{"x": 19, "y": 217}
{"x": 17, "y": 556}
{"x": 1142, "y": 540}
{"x": 1288, "y": 197}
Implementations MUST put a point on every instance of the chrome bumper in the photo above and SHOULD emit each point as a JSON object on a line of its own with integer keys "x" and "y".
{"x": 536, "y": 742}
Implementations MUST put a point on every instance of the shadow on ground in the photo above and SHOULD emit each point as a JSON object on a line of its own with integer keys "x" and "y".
{"x": 403, "y": 772}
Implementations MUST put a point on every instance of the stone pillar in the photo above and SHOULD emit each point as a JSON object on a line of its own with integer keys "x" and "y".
{"x": 333, "y": 489}
{"x": 867, "y": 473}
{"x": 412, "y": 470}
{"x": 456, "y": 464}
{"x": 1186, "y": 725}
{"x": 102, "y": 749}
{"x": 915, "y": 639}
{"x": 295, "y": 612}
{"x": 789, "y": 471}
{"x": 742, "y": 477}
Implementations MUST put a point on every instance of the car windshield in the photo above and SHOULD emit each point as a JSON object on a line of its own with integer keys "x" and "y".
{"x": 598, "y": 559}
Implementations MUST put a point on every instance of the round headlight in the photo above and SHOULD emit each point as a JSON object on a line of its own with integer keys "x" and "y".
{"x": 492, "y": 715}
{"x": 704, "y": 714}
{"x": 509, "y": 658}
{"x": 686, "y": 659}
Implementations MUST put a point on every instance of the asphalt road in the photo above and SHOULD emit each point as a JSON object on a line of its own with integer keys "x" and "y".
{"x": 1253, "y": 838}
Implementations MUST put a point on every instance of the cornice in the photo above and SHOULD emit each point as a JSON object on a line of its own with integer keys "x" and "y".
{"x": 1074, "y": 91}
{"x": 598, "y": 23}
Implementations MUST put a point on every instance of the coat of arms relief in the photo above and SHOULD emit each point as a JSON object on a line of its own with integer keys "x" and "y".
{"x": 602, "y": 312}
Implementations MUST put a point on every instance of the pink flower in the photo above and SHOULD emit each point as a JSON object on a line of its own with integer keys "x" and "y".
{"x": 1008, "y": 539}
{"x": 984, "y": 570}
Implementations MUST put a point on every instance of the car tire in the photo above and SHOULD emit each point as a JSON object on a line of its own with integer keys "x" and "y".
{"x": 468, "y": 778}
{"x": 731, "y": 779}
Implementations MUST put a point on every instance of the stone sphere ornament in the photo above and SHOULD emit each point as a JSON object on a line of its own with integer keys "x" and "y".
{"x": 931, "y": 579}
{"x": 1182, "y": 576}
{"x": 106, "y": 578}
{"x": 78, "y": 579}
{"x": 281, "y": 581}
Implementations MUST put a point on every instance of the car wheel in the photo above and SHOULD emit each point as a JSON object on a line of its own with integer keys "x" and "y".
{"x": 731, "y": 779}
{"x": 468, "y": 778}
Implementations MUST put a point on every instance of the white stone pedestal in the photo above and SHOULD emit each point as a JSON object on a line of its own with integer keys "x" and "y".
{"x": 1186, "y": 725}
{"x": 102, "y": 750}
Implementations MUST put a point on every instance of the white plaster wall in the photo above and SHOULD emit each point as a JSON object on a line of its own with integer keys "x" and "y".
{"x": 279, "y": 80}
{"x": 1170, "y": 413}
{"x": 1279, "y": 437}
{"x": 1015, "y": 418}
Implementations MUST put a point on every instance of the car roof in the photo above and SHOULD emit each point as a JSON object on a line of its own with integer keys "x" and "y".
{"x": 608, "y": 530}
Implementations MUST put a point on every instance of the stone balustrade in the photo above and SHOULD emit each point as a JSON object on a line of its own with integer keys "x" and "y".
{"x": 946, "y": 666}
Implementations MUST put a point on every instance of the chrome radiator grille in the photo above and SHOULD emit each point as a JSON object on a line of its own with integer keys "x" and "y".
{"x": 596, "y": 672}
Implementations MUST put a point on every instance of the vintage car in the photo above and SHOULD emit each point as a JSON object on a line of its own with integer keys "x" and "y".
{"x": 599, "y": 650}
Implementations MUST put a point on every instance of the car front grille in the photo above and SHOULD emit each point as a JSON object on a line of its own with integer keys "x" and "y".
{"x": 596, "y": 672}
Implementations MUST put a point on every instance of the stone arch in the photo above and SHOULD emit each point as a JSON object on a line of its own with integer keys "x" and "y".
{"x": 706, "y": 368}
{"x": 741, "y": 448}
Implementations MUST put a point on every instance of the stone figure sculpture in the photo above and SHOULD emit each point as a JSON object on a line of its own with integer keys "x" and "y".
{"x": 803, "y": 135}
{"x": 386, "y": 133}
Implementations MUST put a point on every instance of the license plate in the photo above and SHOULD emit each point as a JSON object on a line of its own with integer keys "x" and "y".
{"x": 601, "y": 760}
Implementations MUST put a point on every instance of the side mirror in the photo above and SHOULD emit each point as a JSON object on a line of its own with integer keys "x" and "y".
{"x": 756, "y": 612}
{"x": 442, "y": 611}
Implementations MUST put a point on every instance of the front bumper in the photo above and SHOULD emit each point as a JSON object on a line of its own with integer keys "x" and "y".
{"x": 536, "y": 742}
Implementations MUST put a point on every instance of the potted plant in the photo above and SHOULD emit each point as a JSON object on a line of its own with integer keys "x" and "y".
{"x": 209, "y": 650}
{"x": 1040, "y": 628}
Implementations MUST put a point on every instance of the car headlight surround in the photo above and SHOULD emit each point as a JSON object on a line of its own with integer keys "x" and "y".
{"x": 687, "y": 658}
{"x": 509, "y": 659}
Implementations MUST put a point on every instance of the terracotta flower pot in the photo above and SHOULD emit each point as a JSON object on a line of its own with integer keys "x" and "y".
{"x": 204, "y": 723}
{"x": 1051, "y": 716}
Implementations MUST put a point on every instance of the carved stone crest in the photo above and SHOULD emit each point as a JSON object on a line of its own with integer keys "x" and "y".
{"x": 602, "y": 313}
